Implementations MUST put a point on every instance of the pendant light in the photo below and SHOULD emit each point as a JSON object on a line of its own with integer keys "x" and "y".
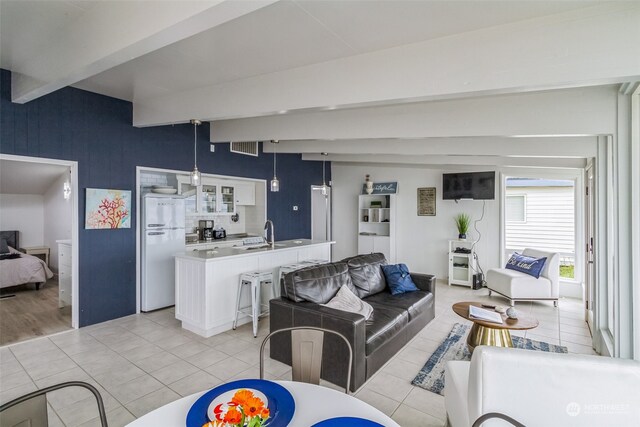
{"x": 195, "y": 174}
{"x": 275, "y": 183}
{"x": 325, "y": 187}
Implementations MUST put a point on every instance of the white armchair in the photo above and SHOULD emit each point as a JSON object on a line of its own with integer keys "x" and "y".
{"x": 517, "y": 286}
{"x": 542, "y": 389}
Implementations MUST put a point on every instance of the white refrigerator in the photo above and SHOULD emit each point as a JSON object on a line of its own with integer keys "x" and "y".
{"x": 162, "y": 238}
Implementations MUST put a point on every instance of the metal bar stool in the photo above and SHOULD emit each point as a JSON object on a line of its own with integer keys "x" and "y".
{"x": 254, "y": 281}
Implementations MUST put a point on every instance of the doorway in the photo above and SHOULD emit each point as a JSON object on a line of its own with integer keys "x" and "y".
{"x": 545, "y": 211}
{"x": 589, "y": 221}
{"x": 39, "y": 223}
{"x": 320, "y": 212}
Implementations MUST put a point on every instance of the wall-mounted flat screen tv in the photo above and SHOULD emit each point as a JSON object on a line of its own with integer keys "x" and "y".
{"x": 470, "y": 185}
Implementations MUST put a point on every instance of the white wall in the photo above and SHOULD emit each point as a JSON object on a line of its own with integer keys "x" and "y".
{"x": 57, "y": 218}
{"x": 25, "y": 213}
{"x": 421, "y": 240}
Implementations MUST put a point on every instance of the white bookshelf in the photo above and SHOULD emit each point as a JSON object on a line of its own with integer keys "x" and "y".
{"x": 376, "y": 225}
{"x": 461, "y": 266}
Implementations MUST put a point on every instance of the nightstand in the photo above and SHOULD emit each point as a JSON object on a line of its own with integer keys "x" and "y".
{"x": 41, "y": 252}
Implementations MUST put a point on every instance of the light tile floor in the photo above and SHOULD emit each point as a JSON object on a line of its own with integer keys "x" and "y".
{"x": 142, "y": 362}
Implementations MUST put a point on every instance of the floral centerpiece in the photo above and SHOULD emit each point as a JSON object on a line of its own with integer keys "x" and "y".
{"x": 244, "y": 410}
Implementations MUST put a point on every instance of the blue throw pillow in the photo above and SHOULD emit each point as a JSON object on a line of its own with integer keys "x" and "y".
{"x": 525, "y": 264}
{"x": 398, "y": 279}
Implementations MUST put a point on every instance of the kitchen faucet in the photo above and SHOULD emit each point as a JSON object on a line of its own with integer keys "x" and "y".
{"x": 272, "y": 241}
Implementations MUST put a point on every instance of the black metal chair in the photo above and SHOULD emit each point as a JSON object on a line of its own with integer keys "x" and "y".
{"x": 31, "y": 409}
{"x": 491, "y": 415}
{"x": 306, "y": 353}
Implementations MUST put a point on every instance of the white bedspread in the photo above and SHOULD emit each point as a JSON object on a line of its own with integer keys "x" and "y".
{"x": 26, "y": 269}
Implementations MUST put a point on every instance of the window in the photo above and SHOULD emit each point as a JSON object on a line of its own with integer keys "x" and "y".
{"x": 515, "y": 208}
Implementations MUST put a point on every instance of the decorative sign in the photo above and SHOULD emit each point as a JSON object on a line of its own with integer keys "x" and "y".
{"x": 427, "y": 201}
{"x": 382, "y": 188}
{"x": 107, "y": 208}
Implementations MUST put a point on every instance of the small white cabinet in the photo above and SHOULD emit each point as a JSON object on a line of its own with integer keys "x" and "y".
{"x": 376, "y": 225}
{"x": 64, "y": 272}
{"x": 462, "y": 265}
{"x": 245, "y": 194}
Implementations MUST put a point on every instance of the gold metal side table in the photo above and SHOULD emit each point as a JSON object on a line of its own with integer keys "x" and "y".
{"x": 489, "y": 333}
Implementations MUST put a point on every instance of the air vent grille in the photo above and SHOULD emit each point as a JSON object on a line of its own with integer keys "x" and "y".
{"x": 248, "y": 148}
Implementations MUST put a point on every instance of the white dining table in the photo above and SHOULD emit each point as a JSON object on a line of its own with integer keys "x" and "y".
{"x": 313, "y": 404}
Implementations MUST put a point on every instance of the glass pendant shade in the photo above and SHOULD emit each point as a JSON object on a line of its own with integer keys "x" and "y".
{"x": 275, "y": 185}
{"x": 195, "y": 174}
{"x": 195, "y": 177}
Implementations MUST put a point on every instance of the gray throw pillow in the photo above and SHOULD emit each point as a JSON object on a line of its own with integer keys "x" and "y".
{"x": 346, "y": 300}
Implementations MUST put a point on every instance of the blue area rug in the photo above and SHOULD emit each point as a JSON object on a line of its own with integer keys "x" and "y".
{"x": 454, "y": 347}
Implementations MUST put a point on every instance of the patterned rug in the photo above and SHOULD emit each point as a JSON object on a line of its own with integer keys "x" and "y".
{"x": 454, "y": 347}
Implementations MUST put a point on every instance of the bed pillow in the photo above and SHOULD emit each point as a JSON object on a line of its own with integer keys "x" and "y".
{"x": 525, "y": 264}
{"x": 398, "y": 279}
{"x": 346, "y": 300}
{"x": 4, "y": 247}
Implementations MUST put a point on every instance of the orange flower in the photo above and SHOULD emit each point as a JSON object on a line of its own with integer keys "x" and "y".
{"x": 253, "y": 406}
{"x": 233, "y": 416}
{"x": 264, "y": 414}
{"x": 241, "y": 397}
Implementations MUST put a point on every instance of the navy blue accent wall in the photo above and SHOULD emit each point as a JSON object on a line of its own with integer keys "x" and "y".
{"x": 96, "y": 131}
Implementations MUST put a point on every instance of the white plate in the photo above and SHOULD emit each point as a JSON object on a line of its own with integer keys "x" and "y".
{"x": 164, "y": 190}
{"x": 226, "y": 398}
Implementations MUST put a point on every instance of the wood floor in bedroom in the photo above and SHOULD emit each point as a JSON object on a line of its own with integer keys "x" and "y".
{"x": 30, "y": 313}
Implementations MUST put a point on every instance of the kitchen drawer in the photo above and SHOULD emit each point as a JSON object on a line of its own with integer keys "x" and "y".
{"x": 64, "y": 255}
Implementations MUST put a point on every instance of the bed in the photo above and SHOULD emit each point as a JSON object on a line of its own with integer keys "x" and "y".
{"x": 23, "y": 269}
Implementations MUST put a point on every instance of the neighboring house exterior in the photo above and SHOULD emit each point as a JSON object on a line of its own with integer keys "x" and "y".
{"x": 540, "y": 214}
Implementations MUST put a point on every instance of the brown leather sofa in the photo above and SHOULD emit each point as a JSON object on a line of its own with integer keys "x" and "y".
{"x": 395, "y": 321}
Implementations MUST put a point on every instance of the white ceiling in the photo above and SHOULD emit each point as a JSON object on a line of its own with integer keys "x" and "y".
{"x": 284, "y": 35}
{"x": 290, "y": 34}
{"x": 28, "y": 178}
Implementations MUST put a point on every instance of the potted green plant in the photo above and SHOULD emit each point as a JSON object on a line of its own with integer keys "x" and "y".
{"x": 463, "y": 221}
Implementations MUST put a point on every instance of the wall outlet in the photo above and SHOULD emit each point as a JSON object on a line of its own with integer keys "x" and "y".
{"x": 295, "y": 208}
{"x": 212, "y": 148}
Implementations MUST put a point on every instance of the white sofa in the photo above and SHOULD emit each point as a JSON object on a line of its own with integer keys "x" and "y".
{"x": 542, "y": 389}
{"x": 519, "y": 286}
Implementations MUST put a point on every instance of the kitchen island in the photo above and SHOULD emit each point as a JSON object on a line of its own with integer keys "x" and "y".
{"x": 207, "y": 280}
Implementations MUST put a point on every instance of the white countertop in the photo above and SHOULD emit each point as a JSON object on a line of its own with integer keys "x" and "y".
{"x": 230, "y": 238}
{"x": 215, "y": 254}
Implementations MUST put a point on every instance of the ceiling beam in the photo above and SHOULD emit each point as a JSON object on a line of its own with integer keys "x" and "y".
{"x": 567, "y": 147}
{"x": 112, "y": 33}
{"x": 585, "y": 47}
{"x": 452, "y": 162}
{"x": 584, "y": 111}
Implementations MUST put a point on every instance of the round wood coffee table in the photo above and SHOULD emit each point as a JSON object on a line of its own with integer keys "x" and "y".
{"x": 489, "y": 333}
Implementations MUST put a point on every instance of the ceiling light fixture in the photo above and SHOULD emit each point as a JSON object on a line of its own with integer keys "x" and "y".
{"x": 325, "y": 187}
{"x": 275, "y": 183}
{"x": 195, "y": 174}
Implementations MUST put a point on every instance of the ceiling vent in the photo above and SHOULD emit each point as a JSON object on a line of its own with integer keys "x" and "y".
{"x": 248, "y": 148}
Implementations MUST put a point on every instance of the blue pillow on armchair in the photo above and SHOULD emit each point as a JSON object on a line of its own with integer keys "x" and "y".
{"x": 398, "y": 279}
{"x": 527, "y": 265}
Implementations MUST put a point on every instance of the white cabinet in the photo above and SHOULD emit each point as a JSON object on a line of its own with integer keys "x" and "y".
{"x": 462, "y": 263}
{"x": 245, "y": 194}
{"x": 64, "y": 272}
{"x": 376, "y": 225}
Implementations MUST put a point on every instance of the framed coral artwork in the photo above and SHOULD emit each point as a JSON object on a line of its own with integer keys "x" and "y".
{"x": 107, "y": 208}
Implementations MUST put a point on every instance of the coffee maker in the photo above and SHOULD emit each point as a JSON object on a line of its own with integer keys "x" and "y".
{"x": 206, "y": 229}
